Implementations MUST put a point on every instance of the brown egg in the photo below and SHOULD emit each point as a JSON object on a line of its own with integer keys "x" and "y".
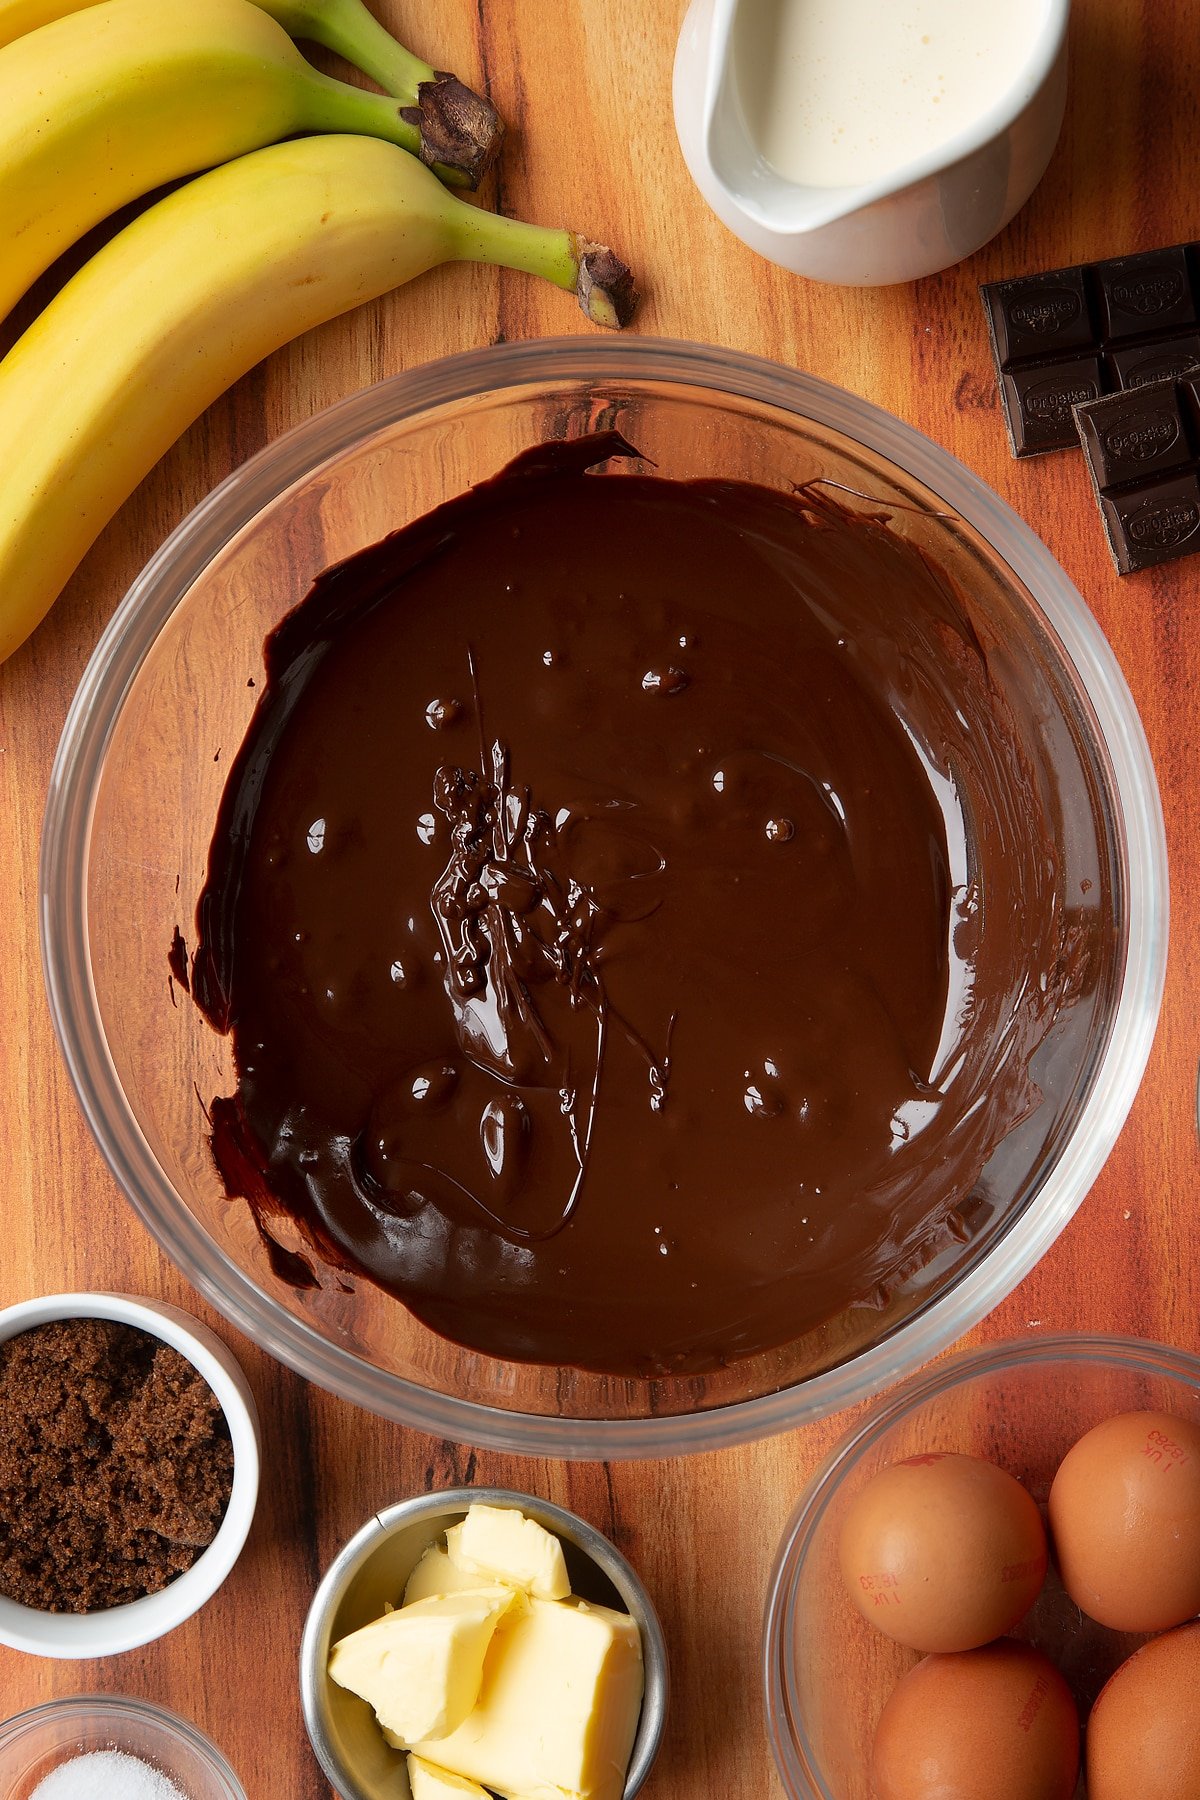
{"x": 991, "y": 1724}
{"x": 943, "y": 1552}
{"x": 1125, "y": 1517}
{"x": 1143, "y": 1736}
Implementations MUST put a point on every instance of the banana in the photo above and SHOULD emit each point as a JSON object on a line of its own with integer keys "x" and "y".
{"x": 197, "y": 290}
{"x": 456, "y": 131}
{"x": 17, "y": 17}
{"x": 107, "y": 104}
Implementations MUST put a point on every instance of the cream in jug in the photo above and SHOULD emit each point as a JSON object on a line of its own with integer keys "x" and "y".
{"x": 869, "y": 141}
{"x": 837, "y": 92}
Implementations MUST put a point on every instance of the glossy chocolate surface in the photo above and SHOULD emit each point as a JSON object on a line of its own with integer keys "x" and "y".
{"x": 594, "y": 907}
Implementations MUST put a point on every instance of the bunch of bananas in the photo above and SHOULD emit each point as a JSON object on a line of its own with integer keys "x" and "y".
{"x": 101, "y": 105}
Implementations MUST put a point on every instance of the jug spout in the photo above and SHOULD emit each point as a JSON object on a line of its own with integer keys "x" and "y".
{"x": 727, "y": 130}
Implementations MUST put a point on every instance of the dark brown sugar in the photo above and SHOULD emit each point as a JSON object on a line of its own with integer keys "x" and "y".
{"x": 115, "y": 1465}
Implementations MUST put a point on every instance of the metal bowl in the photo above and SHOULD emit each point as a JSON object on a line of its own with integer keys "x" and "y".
{"x": 371, "y": 1573}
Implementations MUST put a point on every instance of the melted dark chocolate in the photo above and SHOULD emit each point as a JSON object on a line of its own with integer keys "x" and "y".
{"x": 590, "y": 914}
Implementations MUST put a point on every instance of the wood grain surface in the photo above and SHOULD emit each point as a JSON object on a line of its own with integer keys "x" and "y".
{"x": 586, "y": 84}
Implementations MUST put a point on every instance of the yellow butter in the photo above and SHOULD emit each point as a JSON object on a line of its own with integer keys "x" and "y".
{"x": 421, "y": 1668}
{"x": 436, "y": 1574}
{"x": 429, "y": 1783}
{"x": 558, "y": 1706}
{"x": 498, "y": 1543}
{"x": 609, "y": 1790}
{"x": 613, "y": 1790}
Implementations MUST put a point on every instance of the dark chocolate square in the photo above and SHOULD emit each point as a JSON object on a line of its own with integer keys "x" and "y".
{"x": 1135, "y": 435}
{"x": 1039, "y": 315}
{"x": 1039, "y": 402}
{"x": 1139, "y": 294}
{"x": 1153, "y": 523}
{"x": 1164, "y": 361}
{"x": 1138, "y": 315}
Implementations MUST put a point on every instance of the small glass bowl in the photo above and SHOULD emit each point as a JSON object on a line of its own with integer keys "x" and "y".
{"x": 167, "y": 698}
{"x": 38, "y": 1741}
{"x": 1021, "y": 1405}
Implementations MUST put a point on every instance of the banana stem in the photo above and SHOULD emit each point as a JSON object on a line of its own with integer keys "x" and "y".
{"x": 350, "y": 29}
{"x": 603, "y": 283}
{"x": 339, "y": 106}
{"x": 455, "y": 131}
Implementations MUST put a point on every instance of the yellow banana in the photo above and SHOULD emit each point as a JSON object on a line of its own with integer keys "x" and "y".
{"x": 17, "y": 17}
{"x": 109, "y": 103}
{"x": 197, "y": 290}
{"x": 455, "y": 130}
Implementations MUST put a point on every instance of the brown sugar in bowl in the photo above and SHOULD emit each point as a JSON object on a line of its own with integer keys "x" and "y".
{"x": 109, "y": 1627}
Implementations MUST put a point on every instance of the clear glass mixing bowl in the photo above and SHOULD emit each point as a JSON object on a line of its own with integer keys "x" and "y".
{"x": 166, "y": 700}
{"x": 828, "y": 1672}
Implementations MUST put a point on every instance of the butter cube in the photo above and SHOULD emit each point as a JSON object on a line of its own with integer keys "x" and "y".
{"x": 558, "y": 1706}
{"x": 611, "y": 1790}
{"x": 429, "y": 1783}
{"x": 498, "y": 1543}
{"x": 421, "y": 1668}
{"x": 436, "y": 1574}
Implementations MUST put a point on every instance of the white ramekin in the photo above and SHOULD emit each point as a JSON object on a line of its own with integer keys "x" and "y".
{"x": 117, "y": 1628}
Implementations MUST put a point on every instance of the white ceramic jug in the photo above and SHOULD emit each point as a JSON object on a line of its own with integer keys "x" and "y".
{"x": 922, "y": 217}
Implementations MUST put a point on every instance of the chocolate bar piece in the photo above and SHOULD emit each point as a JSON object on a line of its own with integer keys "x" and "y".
{"x": 1069, "y": 336}
{"x": 1143, "y": 452}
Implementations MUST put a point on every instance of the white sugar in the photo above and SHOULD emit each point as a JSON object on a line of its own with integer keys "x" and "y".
{"x": 106, "y": 1775}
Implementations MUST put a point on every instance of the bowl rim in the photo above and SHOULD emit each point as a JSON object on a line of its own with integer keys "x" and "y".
{"x": 161, "y": 586}
{"x": 801, "y": 1779}
{"x": 105, "y": 1707}
{"x": 314, "y": 1642}
{"x": 70, "y": 1636}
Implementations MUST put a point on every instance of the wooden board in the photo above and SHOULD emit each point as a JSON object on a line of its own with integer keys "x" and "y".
{"x": 586, "y": 84}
